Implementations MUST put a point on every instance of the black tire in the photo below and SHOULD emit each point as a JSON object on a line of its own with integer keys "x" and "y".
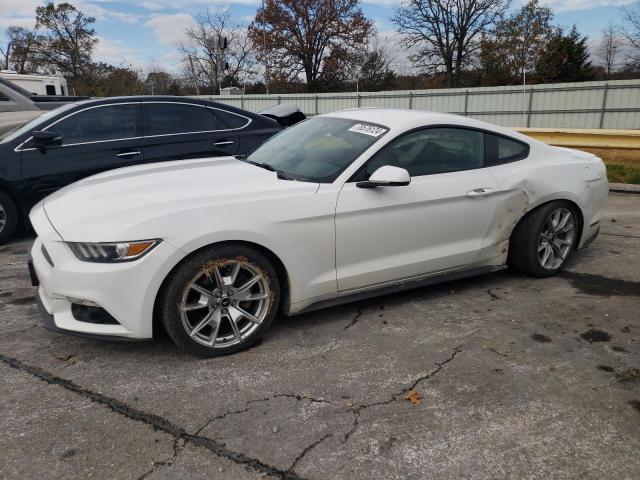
{"x": 524, "y": 242}
{"x": 8, "y": 217}
{"x": 199, "y": 268}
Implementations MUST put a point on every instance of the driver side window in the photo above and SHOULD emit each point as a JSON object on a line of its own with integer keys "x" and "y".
{"x": 432, "y": 151}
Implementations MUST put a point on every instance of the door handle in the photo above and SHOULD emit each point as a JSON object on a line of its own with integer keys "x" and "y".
{"x": 223, "y": 142}
{"x": 128, "y": 154}
{"x": 479, "y": 192}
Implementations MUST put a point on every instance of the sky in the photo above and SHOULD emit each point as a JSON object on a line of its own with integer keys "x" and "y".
{"x": 139, "y": 33}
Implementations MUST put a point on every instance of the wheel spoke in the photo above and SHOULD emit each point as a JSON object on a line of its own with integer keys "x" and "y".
{"x": 247, "y": 296}
{"x": 237, "y": 313}
{"x": 563, "y": 222}
{"x": 247, "y": 286}
{"x": 234, "y": 273}
{"x": 213, "y": 319}
{"x": 201, "y": 290}
{"x": 194, "y": 306}
{"x": 567, "y": 228}
{"x": 218, "y": 277}
{"x": 547, "y": 254}
{"x": 233, "y": 320}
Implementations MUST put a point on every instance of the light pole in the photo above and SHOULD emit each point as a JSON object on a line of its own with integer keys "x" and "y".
{"x": 524, "y": 82}
{"x": 264, "y": 51}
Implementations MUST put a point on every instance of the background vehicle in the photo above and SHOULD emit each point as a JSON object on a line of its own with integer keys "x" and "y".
{"x": 341, "y": 207}
{"x": 37, "y": 84}
{"x": 84, "y": 138}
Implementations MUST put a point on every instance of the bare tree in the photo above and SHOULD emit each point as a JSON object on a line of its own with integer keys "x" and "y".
{"x": 317, "y": 38}
{"x": 609, "y": 47}
{"x": 235, "y": 64}
{"x": 631, "y": 32}
{"x": 374, "y": 68}
{"x": 446, "y": 31}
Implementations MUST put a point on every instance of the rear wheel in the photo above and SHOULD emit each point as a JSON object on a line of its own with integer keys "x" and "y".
{"x": 8, "y": 217}
{"x": 543, "y": 242}
{"x": 220, "y": 300}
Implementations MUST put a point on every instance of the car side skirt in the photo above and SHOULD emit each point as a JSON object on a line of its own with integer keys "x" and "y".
{"x": 407, "y": 284}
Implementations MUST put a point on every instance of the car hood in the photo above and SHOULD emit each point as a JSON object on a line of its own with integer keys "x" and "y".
{"x": 138, "y": 202}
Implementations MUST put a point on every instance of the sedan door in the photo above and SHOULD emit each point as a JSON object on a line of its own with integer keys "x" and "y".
{"x": 180, "y": 130}
{"x": 436, "y": 223}
{"x": 94, "y": 139}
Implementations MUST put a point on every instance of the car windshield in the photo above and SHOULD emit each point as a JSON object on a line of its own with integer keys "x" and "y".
{"x": 15, "y": 133}
{"x": 318, "y": 149}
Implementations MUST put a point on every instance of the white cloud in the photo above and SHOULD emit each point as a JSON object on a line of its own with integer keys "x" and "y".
{"x": 116, "y": 53}
{"x": 169, "y": 29}
{"x": 571, "y": 5}
{"x": 101, "y": 13}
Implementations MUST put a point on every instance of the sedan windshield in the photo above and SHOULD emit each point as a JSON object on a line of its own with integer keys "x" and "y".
{"x": 12, "y": 135}
{"x": 317, "y": 150}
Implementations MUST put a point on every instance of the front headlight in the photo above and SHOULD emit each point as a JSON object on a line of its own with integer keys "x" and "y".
{"x": 111, "y": 252}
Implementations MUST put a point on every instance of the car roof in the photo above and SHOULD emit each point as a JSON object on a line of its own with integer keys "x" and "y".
{"x": 400, "y": 120}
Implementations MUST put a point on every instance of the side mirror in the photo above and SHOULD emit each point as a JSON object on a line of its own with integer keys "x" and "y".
{"x": 387, "y": 176}
{"x": 45, "y": 138}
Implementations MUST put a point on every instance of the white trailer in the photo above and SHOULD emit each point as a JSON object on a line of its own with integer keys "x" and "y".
{"x": 37, "y": 84}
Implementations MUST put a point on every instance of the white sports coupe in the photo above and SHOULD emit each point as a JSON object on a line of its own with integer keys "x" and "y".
{"x": 340, "y": 207}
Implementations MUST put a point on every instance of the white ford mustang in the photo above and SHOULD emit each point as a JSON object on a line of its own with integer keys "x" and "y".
{"x": 343, "y": 206}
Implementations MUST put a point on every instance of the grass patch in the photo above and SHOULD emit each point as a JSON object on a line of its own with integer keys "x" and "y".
{"x": 623, "y": 166}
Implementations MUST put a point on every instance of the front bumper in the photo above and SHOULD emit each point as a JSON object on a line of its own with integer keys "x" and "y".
{"x": 124, "y": 291}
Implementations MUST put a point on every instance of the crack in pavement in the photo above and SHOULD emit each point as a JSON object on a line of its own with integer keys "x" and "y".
{"x": 355, "y": 319}
{"x": 250, "y": 404}
{"x": 356, "y": 410}
{"x": 178, "y": 446}
{"x": 155, "y": 421}
{"x": 307, "y": 450}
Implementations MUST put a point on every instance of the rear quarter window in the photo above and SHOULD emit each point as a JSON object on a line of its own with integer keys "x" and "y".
{"x": 231, "y": 121}
{"x": 500, "y": 150}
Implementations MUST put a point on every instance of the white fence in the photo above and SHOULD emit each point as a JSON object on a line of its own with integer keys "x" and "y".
{"x": 613, "y": 104}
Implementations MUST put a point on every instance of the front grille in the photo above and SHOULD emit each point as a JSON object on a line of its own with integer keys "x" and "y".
{"x": 96, "y": 315}
{"x": 46, "y": 256}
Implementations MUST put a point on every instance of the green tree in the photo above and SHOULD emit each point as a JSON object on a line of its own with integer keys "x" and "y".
{"x": 516, "y": 45}
{"x": 565, "y": 59}
{"x": 69, "y": 40}
{"x": 23, "y": 49}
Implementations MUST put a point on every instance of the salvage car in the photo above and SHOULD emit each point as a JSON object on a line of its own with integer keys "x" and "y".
{"x": 340, "y": 207}
{"x": 84, "y": 138}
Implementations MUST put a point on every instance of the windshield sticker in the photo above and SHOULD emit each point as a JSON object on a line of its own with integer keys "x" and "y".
{"x": 370, "y": 130}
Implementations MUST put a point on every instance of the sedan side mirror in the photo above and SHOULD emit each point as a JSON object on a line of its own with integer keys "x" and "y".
{"x": 45, "y": 138}
{"x": 387, "y": 176}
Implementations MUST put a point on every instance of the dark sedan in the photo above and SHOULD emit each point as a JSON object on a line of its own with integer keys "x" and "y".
{"x": 84, "y": 138}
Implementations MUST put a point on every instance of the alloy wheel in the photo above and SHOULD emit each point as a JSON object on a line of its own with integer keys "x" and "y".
{"x": 556, "y": 239}
{"x": 3, "y": 218}
{"x": 225, "y": 303}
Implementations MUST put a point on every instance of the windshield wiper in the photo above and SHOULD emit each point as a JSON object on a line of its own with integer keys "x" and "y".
{"x": 281, "y": 175}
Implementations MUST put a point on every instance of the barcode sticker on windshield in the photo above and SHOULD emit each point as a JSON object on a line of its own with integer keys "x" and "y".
{"x": 370, "y": 130}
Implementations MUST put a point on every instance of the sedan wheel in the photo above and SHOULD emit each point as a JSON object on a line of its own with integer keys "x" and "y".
{"x": 8, "y": 217}
{"x": 220, "y": 300}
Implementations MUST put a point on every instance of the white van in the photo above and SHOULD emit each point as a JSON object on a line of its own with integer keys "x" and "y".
{"x": 37, "y": 84}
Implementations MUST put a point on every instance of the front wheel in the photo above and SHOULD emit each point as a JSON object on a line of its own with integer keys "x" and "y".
{"x": 543, "y": 242}
{"x": 220, "y": 300}
{"x": 8, "y": 217}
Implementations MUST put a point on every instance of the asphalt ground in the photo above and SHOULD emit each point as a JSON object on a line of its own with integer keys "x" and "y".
{"x": 499, "y": 376}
